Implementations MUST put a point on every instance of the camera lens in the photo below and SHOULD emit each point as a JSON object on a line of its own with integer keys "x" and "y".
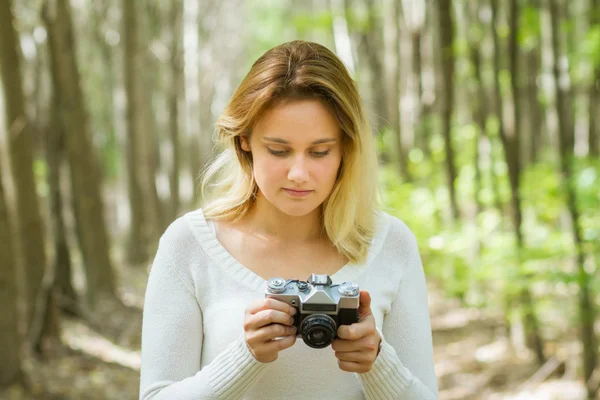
{"x": 318, "y": 330}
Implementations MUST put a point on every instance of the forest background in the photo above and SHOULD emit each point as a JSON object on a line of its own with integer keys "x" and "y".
{"x": 487, "y": 118}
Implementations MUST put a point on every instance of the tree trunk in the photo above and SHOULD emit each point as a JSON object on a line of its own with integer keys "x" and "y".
{"x": 510, "y": 142}
{"x": 480, "y": 119}
{"x": 10, "y": 345}
{"x": 446, "y": 44}
{"x": 432, "y": 93}
{"x": 416, "y": 18}
{"x": 512, "y": 150}
{"x": 594, "y": 101}
{"x": 499, "y": 110}
{"x": 594, "y": 117}
{"x": 150, "y": 153}
{"x": 566, "y": 153}
{"x": 83, "y": 166}
{"x": 37, "y": 95}
{"x": 149, "y": 148}
{"x": 138, "y": 237}
{"x": 495, "y": 180}
{"x": 480, "y": 106}
{"x": 177, "y": 88}
{"x": 417, "y": 68}
{"x": 371, "y": 46}
{"x": 535, "y": 113}
{"x": 55, "y": 154}
{"x": 20, "y": 131}
{"x": 110, "y": 154}
{"x": 401, "y": 152}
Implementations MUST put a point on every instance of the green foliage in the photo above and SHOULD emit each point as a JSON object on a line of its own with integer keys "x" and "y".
{"x": 585, "y": 56}
{"x": 475, "y": 33}
{"x": 268, "y": 26}
{"x": 306, "y": 23}
{"x": 40, "y": 174}
{"x": 529, "y": 28}
{"x": 541, "y": 191}
{"x": 461, "y": 48}
{"x": 413, "y": 203}
{"x": 504, "y": 78}
{"x": 502, "y": 30}
{"x": 385, "y": 142}
{"x": 566, "y": 27}
{"x": 587, "y": 183}
{"x": 358, "y": 21}
{"x": 484, "y": 253}
{"x": 590, "y": 46}
{"x": 443, "y": 251}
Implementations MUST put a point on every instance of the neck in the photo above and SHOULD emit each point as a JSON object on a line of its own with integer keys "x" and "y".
{"x": 273, "y": 225}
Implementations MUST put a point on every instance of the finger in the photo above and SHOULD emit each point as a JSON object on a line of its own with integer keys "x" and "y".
{"x": 357, "y": 330}
{"x": 344, "y": 345}
{"x": 270, "y": 332}
{"x": 273, "y": 346}
{"x": 272, "y": 304}
{"x": 364, "y": 344}
{"x": 269, "y": 352}
{"x": 354, "y": 356}
{"x": 364, "y": 307}
{"x": 350, "y": 366}
{"x": 266, "y": 317}
{"x": 281, "y": 344}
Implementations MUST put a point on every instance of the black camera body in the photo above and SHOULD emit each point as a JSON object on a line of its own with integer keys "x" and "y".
{"x": 321, "y": 306}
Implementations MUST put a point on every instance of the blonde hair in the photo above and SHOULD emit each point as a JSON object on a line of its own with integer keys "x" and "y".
{"x": 298, "y": 70}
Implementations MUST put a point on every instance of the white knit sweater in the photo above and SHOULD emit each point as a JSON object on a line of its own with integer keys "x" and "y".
{"x": 192, "y": 337}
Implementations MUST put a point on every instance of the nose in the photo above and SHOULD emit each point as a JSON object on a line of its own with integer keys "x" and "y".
{"x": 298, "y": 170}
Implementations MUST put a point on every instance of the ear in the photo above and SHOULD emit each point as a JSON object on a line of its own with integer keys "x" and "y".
{"x": 245, "y": 142}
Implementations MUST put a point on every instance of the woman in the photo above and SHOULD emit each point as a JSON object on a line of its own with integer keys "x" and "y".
{"x": 293, "y": 193}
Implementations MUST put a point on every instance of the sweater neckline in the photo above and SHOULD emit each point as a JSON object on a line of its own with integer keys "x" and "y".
{"x": 215, "y": 250}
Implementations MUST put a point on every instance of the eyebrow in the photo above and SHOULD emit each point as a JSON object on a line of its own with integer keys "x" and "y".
{"x": 319, "y": 141}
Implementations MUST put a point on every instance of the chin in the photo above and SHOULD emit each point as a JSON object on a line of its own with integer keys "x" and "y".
{"x": 296, "y": 210}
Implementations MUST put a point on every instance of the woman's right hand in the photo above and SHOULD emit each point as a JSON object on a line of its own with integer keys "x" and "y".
{"x": 265, "y": 320}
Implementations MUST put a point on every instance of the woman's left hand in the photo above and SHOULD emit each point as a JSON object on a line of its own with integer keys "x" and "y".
{"x": 357, "y": 345}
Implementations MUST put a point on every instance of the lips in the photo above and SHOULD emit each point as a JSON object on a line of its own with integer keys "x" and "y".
{"x": 298, "y": 190}
{"x": 297, "y": 193}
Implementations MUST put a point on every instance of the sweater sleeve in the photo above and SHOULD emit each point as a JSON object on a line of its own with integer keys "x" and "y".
{"x": 404, "y": 368}
{"x": 172, "y": 344}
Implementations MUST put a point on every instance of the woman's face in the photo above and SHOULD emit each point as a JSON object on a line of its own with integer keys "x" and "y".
{"x": 296, "y": 151}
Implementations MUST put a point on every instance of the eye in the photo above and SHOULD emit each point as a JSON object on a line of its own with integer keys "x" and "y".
{"x": 320, "y": 153}
{"x": 278, "y": 153}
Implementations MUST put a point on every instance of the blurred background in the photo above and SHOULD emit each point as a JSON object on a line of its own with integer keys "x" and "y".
{"x": 487, "y": 117}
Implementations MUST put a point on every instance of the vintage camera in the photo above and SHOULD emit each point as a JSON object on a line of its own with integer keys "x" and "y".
{"x": 321, "y": 306}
